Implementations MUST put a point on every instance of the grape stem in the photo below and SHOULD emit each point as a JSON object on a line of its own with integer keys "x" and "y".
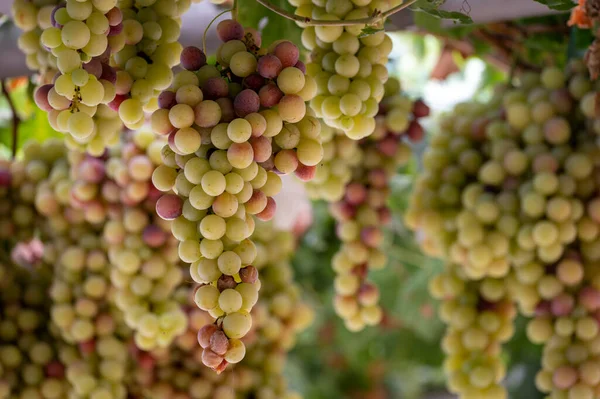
{"x": 232, "y": 10}
{"x": 15, "y": 118}
{"x": 377, "y": 16}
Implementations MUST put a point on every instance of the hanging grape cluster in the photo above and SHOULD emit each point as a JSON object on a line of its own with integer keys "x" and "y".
{"x": 232, "y": 129}
{"x": 349, "y": 68}
{"x": 508, "y": 198}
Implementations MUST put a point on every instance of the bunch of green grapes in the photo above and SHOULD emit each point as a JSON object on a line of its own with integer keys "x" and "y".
{"x": 362, "y": 210}
{"x": 98, "y": 369}
{"x": 29, "y": 365}
{"x": 517, "y": 169}
{"x": 147, "y": 49}
{"x": 26, "y": 194}
{"x": 231, "y": 127}
{"x": 278, "y": 316}
{"x": 509, "y": 194}
{"x": 32, "y": 17}
{"x": 464, "y": 205}
{"x": 479, "y": 317}
{"x": 349, "y": 67}
{"x": 145, "y": 271}
{"x": 566, "y": 323}
{"x": 80, "y": 37}
{"x": 340, "y": 155}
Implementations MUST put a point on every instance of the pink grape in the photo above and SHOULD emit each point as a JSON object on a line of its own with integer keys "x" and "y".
{"x": 116, "y": 102}
{"x": 166, "y": 100}
{"x": 249, "y": 274}
{"x": 115, "y": 30}
{"x": 154, "y": 236}
{"x": 288, "y": 53}
{"x": 305, "y": 173}
{"x": 269, "y": 211}
{"x": 41, "y": 97}
{"x": 215, "y": 87}
{"x": 205, "y": 333}
{"x": 269, "y": 66}
{"x": 91, "y": 170}
{"x": 192, "y": 58}
{"x": 253, "y": 81}
{"x": 169, "y": 206}
{"x": 226, "y": 282}
{"x": 262, "y": 148}
{"x": 227, "y": 112}
{"x": 246, "y": 102}
{"x": 114, "y": 16}
{"x": 270, "y": 95}
{"x": 356, "y": 193}
{"x": 230, "y": 30}
{"x": 420, "y": 109}
{"x": 94, "y": 67}
{"x": 109, "y": 73}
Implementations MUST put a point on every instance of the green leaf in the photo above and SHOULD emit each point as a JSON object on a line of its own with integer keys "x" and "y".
{"x": 559, "y": 5}
{"x": 455, "y": 16}
{"x": 250, "y": 13}
{"x": 368, "y": 31}
{"x": 431, "y": 7}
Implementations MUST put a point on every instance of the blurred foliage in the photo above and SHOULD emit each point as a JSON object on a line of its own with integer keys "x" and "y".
{"x": 560, "y": 5}
{"x": 431, "y": 8}
{"x": 33, "y": 123}
{"x": 272, "y": 26}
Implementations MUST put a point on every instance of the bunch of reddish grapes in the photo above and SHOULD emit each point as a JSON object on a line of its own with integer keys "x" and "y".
{"x": 362, "y": 212}
{"x": 232, "y": 129}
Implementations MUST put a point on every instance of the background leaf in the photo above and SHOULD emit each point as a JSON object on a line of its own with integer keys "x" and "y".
{"x": 272, "y": 26}
{"x": 559, "y": 5}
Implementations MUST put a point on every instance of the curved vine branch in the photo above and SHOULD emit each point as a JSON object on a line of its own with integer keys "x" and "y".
{"x": 377, "y": 16}
{"x": 232, "y": 10}
{"x": 15, "y": 118}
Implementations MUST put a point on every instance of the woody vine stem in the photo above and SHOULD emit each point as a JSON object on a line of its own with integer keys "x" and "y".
{"x": 377, "y": 16}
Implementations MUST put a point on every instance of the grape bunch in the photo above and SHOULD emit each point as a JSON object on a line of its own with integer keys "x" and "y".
{"x": 232, "y": 129}
{"x": 340, "y": 156}
{"x": 362, "y": 210}
{"x": 509, "y": 197}
{"x": 349, "y": 68}
{"x": 479, "y": 317}
{"x": 29, "y": 363}
{"x": 145, "y": 271}
{"x": 278, "y": 316}
{"x": 77, "y": 100}
{"x": 566, "y": 323}
{"x": 143, "y": 54}
{"x": 32, "y": 17}
{"x": 98, "y": 369}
